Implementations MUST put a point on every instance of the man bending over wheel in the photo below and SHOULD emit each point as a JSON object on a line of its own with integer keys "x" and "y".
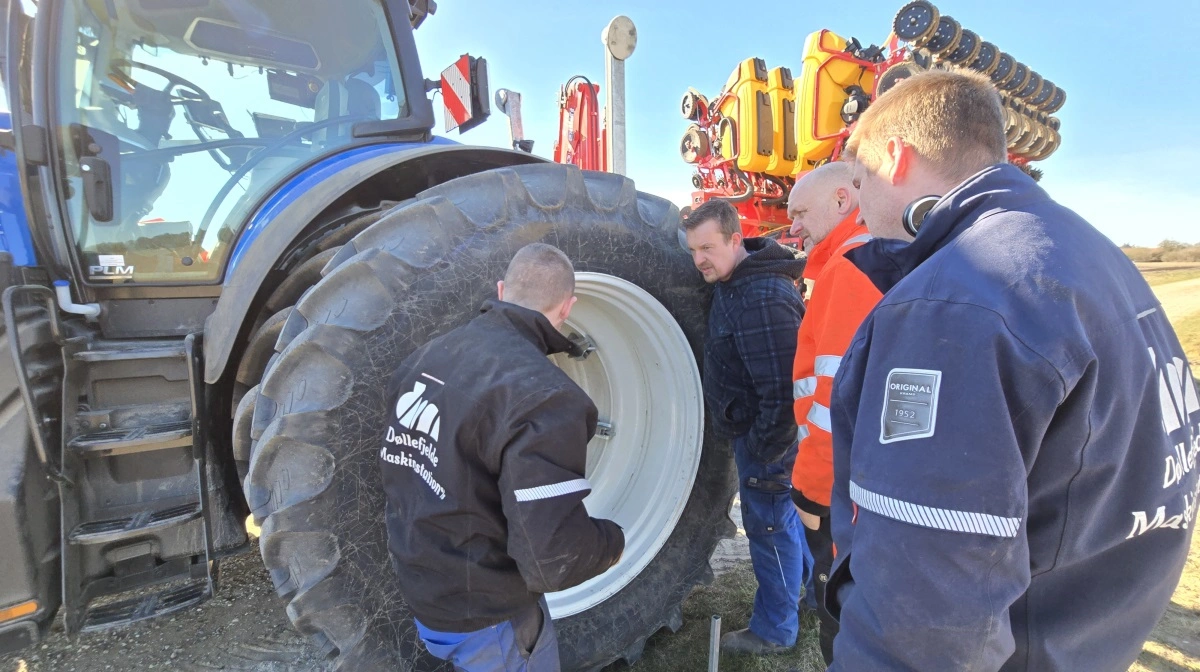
{"x": 483, "y": 462}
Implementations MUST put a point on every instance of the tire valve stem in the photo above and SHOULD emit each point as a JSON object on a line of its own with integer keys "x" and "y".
{"x": 714, "y": 643}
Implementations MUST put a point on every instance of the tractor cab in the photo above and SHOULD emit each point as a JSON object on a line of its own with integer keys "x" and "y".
{"x": 171, "y": 121}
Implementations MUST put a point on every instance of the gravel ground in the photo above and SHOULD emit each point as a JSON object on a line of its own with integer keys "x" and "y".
{"x": 246, "y": 629}
{"x": 243, "y": 628}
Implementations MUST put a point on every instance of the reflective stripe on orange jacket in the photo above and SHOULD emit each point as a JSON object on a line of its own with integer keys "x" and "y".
{"x": 841, "y": 298}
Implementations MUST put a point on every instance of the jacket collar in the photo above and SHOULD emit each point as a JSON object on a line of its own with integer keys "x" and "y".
{"x": 827, "y": 249}
{"x": 530, "y": 324}
{"x": 766, "y": 257}
{"x": 996, "y": 188}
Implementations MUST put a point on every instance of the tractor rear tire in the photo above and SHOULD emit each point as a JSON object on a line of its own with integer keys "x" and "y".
{"x": 27, "y": 489}
{"x": 304, "y": 272}
{"x": 420, "y": 271}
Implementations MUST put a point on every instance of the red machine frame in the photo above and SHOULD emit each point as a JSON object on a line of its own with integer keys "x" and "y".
{"x": 582, "y": 139}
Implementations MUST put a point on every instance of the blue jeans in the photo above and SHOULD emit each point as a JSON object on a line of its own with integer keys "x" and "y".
{"x": 526, "y": 643}
{"x": 778, "y": 550}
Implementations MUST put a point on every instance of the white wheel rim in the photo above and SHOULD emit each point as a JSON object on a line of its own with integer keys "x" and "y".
{"x": 644, "y": 381}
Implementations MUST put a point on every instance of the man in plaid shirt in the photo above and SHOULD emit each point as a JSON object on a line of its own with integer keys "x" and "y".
{"x": 748, "y": 354}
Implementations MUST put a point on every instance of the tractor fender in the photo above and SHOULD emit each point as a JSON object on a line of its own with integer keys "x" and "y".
{"x": 273, "y": 230}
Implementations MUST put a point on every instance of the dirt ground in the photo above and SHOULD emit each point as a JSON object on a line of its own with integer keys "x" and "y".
{"x": 243, "y": 628}
{"x": 1149, "y": 268}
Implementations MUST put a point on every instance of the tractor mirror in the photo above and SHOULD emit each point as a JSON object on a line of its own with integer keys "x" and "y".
{"x": 100, "y": 171}
{"x": 97, "y": 187}
{"x": 464, "y": 88}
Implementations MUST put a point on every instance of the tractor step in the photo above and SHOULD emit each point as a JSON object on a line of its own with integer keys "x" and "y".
{"x": 157, "y": 436}
{"x": 114, "y": 351}
{"x": 132, "y": 610}
{"x": 116, "y": 529}
{"x": 151, "y": 553}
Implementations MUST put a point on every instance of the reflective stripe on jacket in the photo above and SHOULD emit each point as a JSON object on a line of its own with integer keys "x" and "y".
{"x": 842, "y": 297}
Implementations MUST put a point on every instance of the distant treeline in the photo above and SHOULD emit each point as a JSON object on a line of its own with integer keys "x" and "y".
{"x": 1167, "y": 250}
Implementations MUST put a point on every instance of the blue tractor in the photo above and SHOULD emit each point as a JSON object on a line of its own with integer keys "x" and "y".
{"x": 223, "y": 223}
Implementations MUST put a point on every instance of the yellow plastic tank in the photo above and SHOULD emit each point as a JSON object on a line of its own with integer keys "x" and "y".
{"x": 781, "y": 88}
{"x": 820, "y": 93}
{"x": 750, "y": 137}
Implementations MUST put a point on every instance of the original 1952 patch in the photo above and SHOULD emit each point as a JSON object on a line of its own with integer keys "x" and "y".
{"x": 910, "y": 401}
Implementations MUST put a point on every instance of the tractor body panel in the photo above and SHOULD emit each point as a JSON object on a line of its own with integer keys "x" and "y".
{"x": 395, "y": 171}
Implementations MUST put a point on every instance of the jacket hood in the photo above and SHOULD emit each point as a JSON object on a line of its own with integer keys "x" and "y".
{"x": 531, "y": 324}
{"x": 767, "y": 257}
{"x": 999, "y": 187}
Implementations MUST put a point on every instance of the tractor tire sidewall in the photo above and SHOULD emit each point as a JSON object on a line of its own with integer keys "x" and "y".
{"x": 35, "y": 495}
{"x": 422, "y": 270}
{"x": 305, "y": 270}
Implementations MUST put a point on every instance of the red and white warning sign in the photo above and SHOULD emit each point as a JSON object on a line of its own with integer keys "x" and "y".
{"x": 456, "y": 92}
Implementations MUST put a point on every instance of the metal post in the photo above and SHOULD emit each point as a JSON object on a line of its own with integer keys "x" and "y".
{"x": 509, "y": 102}
{"x": 620, "y": 39}
{"x": 714, "y": 643}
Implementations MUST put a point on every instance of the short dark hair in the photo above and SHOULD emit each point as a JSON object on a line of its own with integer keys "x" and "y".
{"x": 539, "y": 277}
{"x": 725, "y": 214}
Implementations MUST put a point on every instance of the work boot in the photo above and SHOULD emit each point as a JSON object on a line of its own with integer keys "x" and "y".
{"x": 744, "y": 641}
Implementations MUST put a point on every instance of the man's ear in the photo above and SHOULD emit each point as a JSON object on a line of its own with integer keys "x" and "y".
{"x": 565, "y": 311}
{"x": 898, "y": 161}
{"x": 736, "y": 239}
{"x": 844, "y": 206}
{"x": 500, "y": 290}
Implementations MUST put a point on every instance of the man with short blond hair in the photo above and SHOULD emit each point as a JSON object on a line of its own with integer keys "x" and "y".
{"x": 483, "y": 468}
{"x": 1002, "y": 418}
{"x": 539, "y": 277}
{"x": 823, "y": 207}
{"x": 952, "y": 121}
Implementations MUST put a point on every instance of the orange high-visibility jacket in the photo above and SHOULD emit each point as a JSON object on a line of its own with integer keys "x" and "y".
{"x": 841, "y": 298}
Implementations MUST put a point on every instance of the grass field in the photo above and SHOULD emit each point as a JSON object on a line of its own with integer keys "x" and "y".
{"x": 1161, "y": 273}
{"x": 1174, "y": 646}
{"x": 1188, "y": 330}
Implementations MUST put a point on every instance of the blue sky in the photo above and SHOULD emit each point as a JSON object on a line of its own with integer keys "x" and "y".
{"x": 1131, "y": 125}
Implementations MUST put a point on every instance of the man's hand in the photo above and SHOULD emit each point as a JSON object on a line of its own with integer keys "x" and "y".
{"x": 810, "y": 521}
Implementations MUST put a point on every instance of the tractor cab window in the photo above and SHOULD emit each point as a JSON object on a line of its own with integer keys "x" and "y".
{"x": 178, "y": 116}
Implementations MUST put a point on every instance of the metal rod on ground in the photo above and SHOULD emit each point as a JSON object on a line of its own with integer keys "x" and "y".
{"x": 714, "y": 643}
